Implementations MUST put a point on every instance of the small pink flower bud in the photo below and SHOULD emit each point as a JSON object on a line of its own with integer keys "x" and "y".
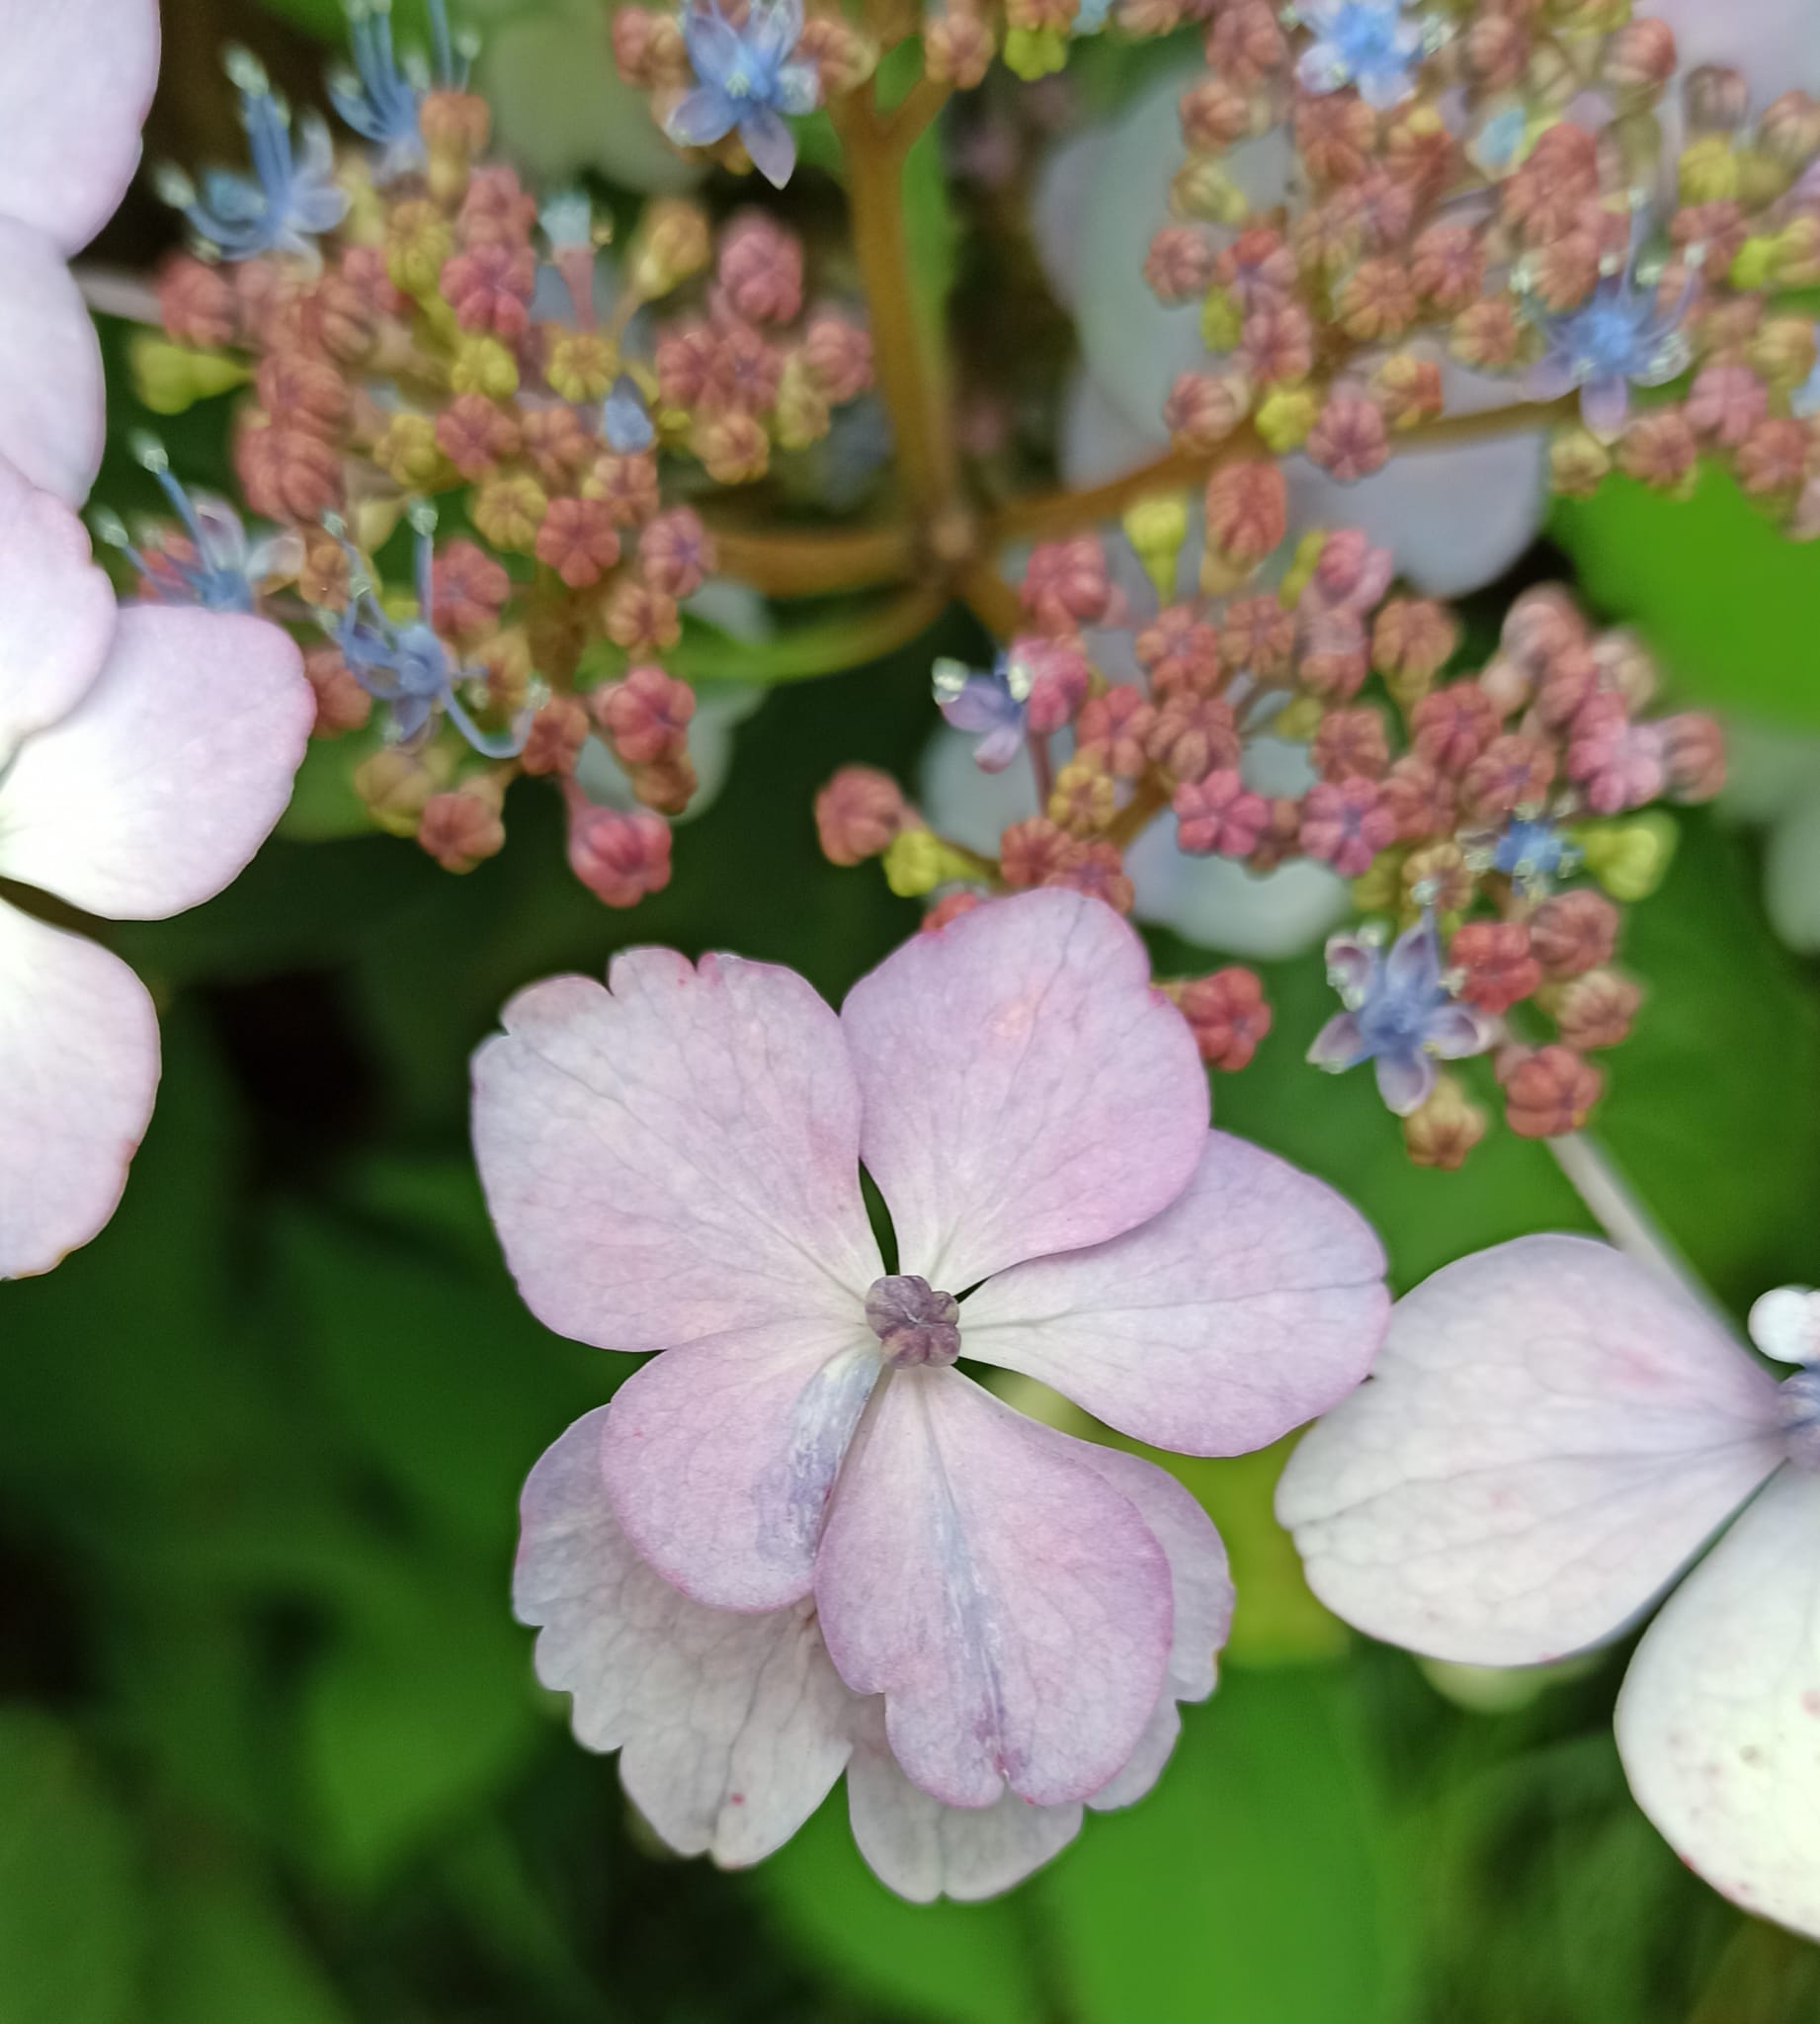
{"x": 839, "y": 356}
{"x": 1065, "y": 584}
{"x": 1180, "y": 651}
{"x": 1773, "y": 457}
{"x": 1335, "y": 655}
{"x": 1083, "y": 799}
{"x": 556, "y": 735}
{"x": 1487, "y": 335}
{"x": 1420, "y": 798}
{"x": 1116, "y": 726}
{"x": 1058, "y": 681}
{"x": 1350, "y": 572}
{"x": 733, "y": 448}
{"x": 618, "y": 858}
{"x": 667, "y": 785}
{"x": 1641, "y": 57}
{"x": 1258, "y": 635}
{"x": 284, "y": 473}
{"x": 1412, "y": 641}
{"x": 1496, "y": 968}
{"x": 1512, "y": 772}
{"x": 1550, "y": 1093}
{"x": 497, "y": 208}
{"x": 1574, "y": 932}
{"x": 759, "y": 269}
{"x": 858, "y": 814}
{"x": 1658, "y": 450}
{"x": 342, "y": 705}
{"x": 1179, "y": 265}
{"x": 627, "y": 485}
{"x": 1333, "y": 135}
{"x": 645, "y": 718}
{"x": 640, "y": 620}
{"x": 1446, "y": 267}
{"x": 1377, "y": 304}
{"x": 1227, "y": 1013}
{"x": 676, "y": 553}
{"x": 463, "y": 826}
{"x": 1542, "y": 623}
{"x": 1718, "y": 99}
{"x": 1451, "y": 726}
{"x": 489, "y": 287}
{"x": 1616, "y": 764}
{"x": 1248, "y": 511}
{"x": 475, "y": 436}
{"x": 1033, "y": 851}
{"x": 1345, "y": 823}
{"x": 1596, "y": 1010}
{"x": 577, "y": 540}
{"x": 1220, "y": 816}
{"x": 1350, "y": 741}
{"x": 197, "y": 304}
{"x": 468, "y": 589}
{"x": 1726, "y": 404}
{"x": 1349, "y": 441}
{"x": 958, "y": 48}
{"x": 648, "y": 48}
{"x": 559, "y": 448}
{"x": 1193, "y": 735}
{"x": 1098, "y": 869}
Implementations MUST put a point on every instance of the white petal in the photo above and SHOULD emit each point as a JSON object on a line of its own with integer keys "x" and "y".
{"x": 56, "y": 610}
{"x": 51, "y": 398}
{"x": 1719, "y": 1720}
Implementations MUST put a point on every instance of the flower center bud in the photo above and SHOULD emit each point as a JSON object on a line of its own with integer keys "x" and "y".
{"x": 1797, "y": 1411}
{"x": 914, "y": 1323}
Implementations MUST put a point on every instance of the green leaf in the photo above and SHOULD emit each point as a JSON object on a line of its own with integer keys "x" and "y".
{"x": 1719, "y": 591}
{"x": 1252, "y": 1884}
{"x": 960, "y": 1964}
{"x": 226, "y": 1953}
{"x": 71, "y": 1917}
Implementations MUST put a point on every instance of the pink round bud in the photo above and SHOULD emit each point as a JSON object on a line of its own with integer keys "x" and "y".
{"x": 468, "y": 589}
{"x": 1031, "y": 852}
{"x": 1694, "y": 754}
{"x": 1550, "y": 1093}
{"x": 1180, "y": 651}
{"x": 640, "y": 620}
{"x": 1248, "y": 513}
{"x": 1202, "y": 409}
{"x": 1345, "y": 823}
{"x": 556, "y": 735}
{"x": 1349, "y": 441}
{"x": 645, "y": 718}
{"x": 618, "y": 858}
{"x": 1451, "y": 726}
{"x": 577, "y": 540}
{"x": 489, "y": 287}
{"x": 1334, "y": 657}
{"x": 342, "y": 705}
{"x": 759, "y": 269}
{"x": 951, "y": 906}
{"x": 858, "y": 814}
{"x": 1065, "y": 584}
{"x": 676, "y": 553}
{"x": 1726, "y": 404}
{"x": 1259, "y": 635}
{"x": 1179, "y": 265}
{"x": 1059, "y": 677}
{"x": 1227, "y": 1013}
{"x": 284, "y": 473}
{"x": 475, "y": 436}
{"x": 1098, "y": 869}
{"x": 1193, "y": 735}
{"x": 1220, "y": 816}
{"x": 1574, "y": 932}
{"x": 1596, "y": 1010}
{"x": 1412, "y": 641}
{"x": 197, "y": 304}
{"x": 1116, "y": 726}
{"x": 1419, "y": 797}
{"x": 1350, "y": 741}
{"x": 627, "y": 485}
{"x": 838, "y": 354}
{"x": 1641, "y": 57}
{"x": 958, "y": 48}
{"x": 463, "y": 826}
{"x": 1512, "y": 772}
{"x": 1496, "y": 968}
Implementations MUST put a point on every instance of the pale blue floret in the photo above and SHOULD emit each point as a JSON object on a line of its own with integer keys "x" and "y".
{"x": 226, "y": 573}
{"x": 1399, "y": 1014}
{"x": 1370, "y": 45}
{"x": 625, "y": 420}
{"x": 290, "y": 199}
{"x": 993, "y": 703}
{"x": 382, "y": 98}
{"x": 1090, "y": 17}
{"x": 1619, "y": 337}
{"x": 1805, "y": 400}
{"x": 745, "y": 80}
{"x": 403, "y": 663}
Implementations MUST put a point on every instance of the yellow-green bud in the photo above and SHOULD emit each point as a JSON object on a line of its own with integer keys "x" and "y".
{"x": 917, "y": 861}
{"x": 1032, "y": 52}
{"x": 170, "y": 377}
{"x": 1222, "y": 319}
{"x": 1285, "y": 417}
{"x": 1156, "y": 528}
{"x": 1629, "y": 859}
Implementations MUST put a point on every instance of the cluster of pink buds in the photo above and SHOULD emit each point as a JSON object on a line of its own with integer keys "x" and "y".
{"x": 412, "y": 330}
{"x": 1493, "y": 815}
{"x": 1475, "y": 191}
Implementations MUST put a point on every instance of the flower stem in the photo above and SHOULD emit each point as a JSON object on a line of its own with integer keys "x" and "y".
{"x": 812, "y": 563}
{"x": 1592, "y": 1175}
{"x": 908, "y": 380}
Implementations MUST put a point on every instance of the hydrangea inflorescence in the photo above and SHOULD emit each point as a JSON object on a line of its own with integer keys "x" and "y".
{"x": 1489, "y": 819}
{"x": 415, "y": 332}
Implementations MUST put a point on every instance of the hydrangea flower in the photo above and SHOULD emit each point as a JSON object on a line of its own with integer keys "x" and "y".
{"x": 673, "y": 1165}
{"x": 990, "y": 702}
{"x": 1551, "y": 1437}
{"x": 1619, "y": 337}
{"x": 1370, "y": 44}
{"x": 77, "y": 85}
{"x": 214, "y": 564}
{"x": 746, "y": 79}
{"x": 144, "y": 754}
{"x": 1399, "y": 1014}
{"x": 288, "y": 200}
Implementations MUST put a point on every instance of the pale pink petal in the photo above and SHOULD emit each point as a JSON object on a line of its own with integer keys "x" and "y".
{"x": 56, "y": 610}
{"x": 160, "y": 786}
{"x": 923, "y": 1849}
{"x": 722, "y": 1452}
{"x": 731, "y": 1728}
{"x": 1012, "y": 1606}
{"x": 1551, "y": 1433}
{"x": 675, "y": 1156}
{"x": 74, "y": 92}
{"x": 1025, "y": 1089}
{"x": 78, "y": 1071}
{"x": 1253, "y": 1302}
{"x": 1144, "y": 1766}
{"x": 52, "y": 414}
{"x": 1719, "y": 1720}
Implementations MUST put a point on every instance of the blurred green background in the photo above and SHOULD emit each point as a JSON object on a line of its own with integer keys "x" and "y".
{"x": 271, "y": 1751}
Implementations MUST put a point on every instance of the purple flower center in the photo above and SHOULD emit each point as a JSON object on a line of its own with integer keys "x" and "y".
{"x": 1799, "y": 1413}
{"x": 914, "y": 1323}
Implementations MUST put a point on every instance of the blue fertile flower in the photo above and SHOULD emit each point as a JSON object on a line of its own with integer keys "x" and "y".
{"x": 992, "y": 703}
{"x": 1616, "y": 339}
{"x": 745, "y": 79}
{"x": 380, "y": 98}
{"x": 625, "y": 420}
{"x": 287, "y": 200}
{"x": 225, "y": 572}
{"x": 1398, "y": 1014}
{"x": 405, "y": 664}
{"x": 1363, "y": 43}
